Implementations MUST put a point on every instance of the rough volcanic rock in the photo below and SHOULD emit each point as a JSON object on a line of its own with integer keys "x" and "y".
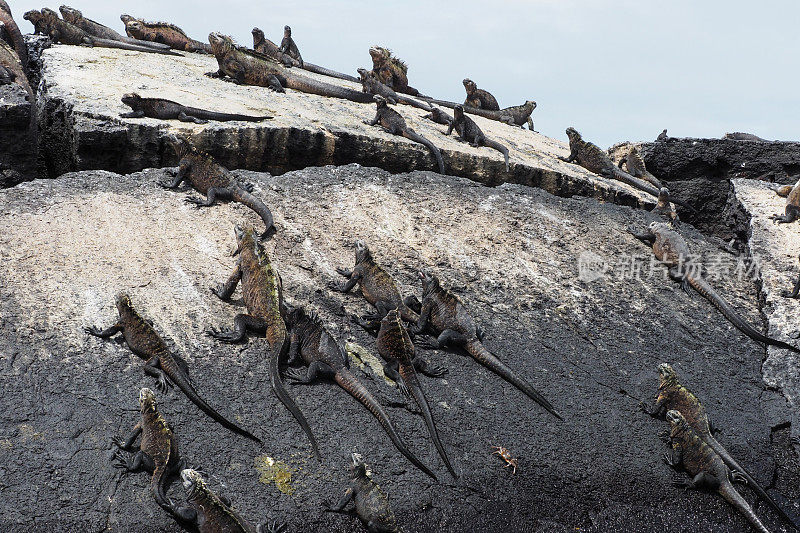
{"x": 589, "y": 338}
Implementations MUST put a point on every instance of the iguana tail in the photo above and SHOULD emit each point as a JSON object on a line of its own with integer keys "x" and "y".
{"x": 708, "y": 292}
{"x": 410, "y": 377}
{"x": 140, "y": 42}
{"x": 158, "y": 487}
{"x": 499, "y": 147}
{"x": 413, "y": 102}
{"x": 108, "y": 43}
{"x": 416, "y": 137}
{"x": 245, "y": 198}
{"x": 308, "y": 85}
{"x": 278, "y": 354}
{"x": 479, "y": 352}
{"x": 221, "y": 117}
{"x": 733, "y": 465}
{"x": 311, "y": 67}
{"x": 727, "y": 491}
{"x": 348, "y": 382}
{"x": 16, "y": 35}
{"x": 643, "y": 185}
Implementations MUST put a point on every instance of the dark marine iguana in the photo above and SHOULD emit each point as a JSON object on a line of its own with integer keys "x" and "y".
{"x": 213, "y": 180}
{"x": 74, "y": 16}
{"x": 144, "y": 341}
{"x": 313, "y": 344}
{"x": 665, "y": 209}
{"x": 795, "y": 292}
{"x": 208, "y": 512}
{"x": 396, "y": 348}
{"x": 478, "y": 98}
{"x": 469, "y": 131}
{"x": 674, "y": 395}
{"x": 371, "y": 504}
{"x": 377, "y": 286}
{"x": 262, "y": 292}
{"x": 61, "y": 31}
{"x": 251, "y": 68}
{"x": 439, "y": 116}
{"x": 670, "y": 248}
{"x": 15, "y": 35}
{"x": 168, "y": 110}
{"x": 691, "y": 453}
{"x": 740, "y": 136}
{"x": 371, "y": 85}
{"x": 517, "y": 115}
{"x": 157, "y": 452}
{"x": 445, "y": 316}
{"x": 792, "y": 213}
{"x": 163, "y": 33}
{"x": 264, "y": 46}
{"x": 636, "y": 167}
{"x": 289, "y": 47}
{"x": 393, "y": 122}
{"x": 37, "y": 19}
{"x": 391, "y": 71}
{"x": 591, "y": 157}
{"x": 662, "y": 137}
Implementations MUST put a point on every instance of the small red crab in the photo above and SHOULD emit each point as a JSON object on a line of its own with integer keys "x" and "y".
{"x": 506, "y": 455}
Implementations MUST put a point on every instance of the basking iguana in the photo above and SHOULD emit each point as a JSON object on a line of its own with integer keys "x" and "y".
{"x": 144, "y": 341}
{"x": 61, "y": 31}
{"x": 591, "y": 157}
{"x": 164, "y": 33}
{"x": 795, "y": 292}
{"x": 371, "y": 85}
{"x": 74, "y": 16}
{"x": 517, "y": 115}
{"x": 262, "y": 292}
{"x": 17, "y": 40}
{"x": 673, "y": 395}
{"x": 792, "y": 194}
{"x": 739, "y": 136}
{"x": 289, "y": 47}
{"x": 208, "y": 512}
{"x": 479, "y": 98}
{"x": 444, "y": 315}
{"x": 37, "y": 19}
{"x": 709, "y": 471}
{"x": 393, "y": 122}
{"x": 439, "y": 116}
{"x": 377, "y": 286}
{"x": 213, "y": 180}
{"x": 396, "y": 348}
{"x": 371, "y": 504}
{"x": 662, "y": 137}
{"x": 157, "y": 452}
{"x": 391, "y": 70}
{"x": 470, "y": 132}
{"x": 313, "y": 344}
{"x": 636, "y": 167}
{"x": 670, "y": 248}
{"x": 665, "y": 209}
{"x": 262, "y": 45}
{"x": 251, "y": 68}
{"x": 168, "y": 110}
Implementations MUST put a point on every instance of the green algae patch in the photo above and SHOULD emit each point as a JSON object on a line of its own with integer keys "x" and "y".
{"x": 364, "y": 358}
{"x": 272, "y": 471}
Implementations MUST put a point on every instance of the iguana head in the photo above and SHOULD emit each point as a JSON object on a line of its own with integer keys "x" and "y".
{"x": 287, "y": 31}
{"x": 458, "y": 111}
{"x": 125, "y": 18}
{"x": 379, "y": 55}
{"x": 380, "y": 101}
{"x": 131, "y": 99}
{"x": 246, "y": 237}
{"x": 364, "y": 73}
{"x": 147, "y": 400}
{"x": 392, "y": 317}
{"x": 33, "y": 16}
{"x": 573, "y": 135}
{"x": 192, "y": 482}
{"x": 656, "y": 228}
{"x": 123, "y": 302}
{"x": 667, "y": 375}
{"x": 220, "y": 44}
{"x": 258, "y": 36}
{"x": 362, "y": 252}
{"x": 359, "y": 468}
{"x": 49, "y": 15}
{"x": 663, "y": 195}
{"x": 70, "y": 14}
{"x": 134, "y": 26}
{"x": 529, "y": 105}
{"x": 469, "y": 85}
{"x": 429, "y": 282}
{"x": 676, "y": 420}
{"x": 180, "y": 145}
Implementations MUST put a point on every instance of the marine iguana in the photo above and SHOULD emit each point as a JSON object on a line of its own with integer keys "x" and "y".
{"x": 37, "y": 19}
{"x": 739, "y": 136}
{"x": 591, "y": 157}
{"x": 371, "y": 504}
{"x": 213, "y": 180}
{"x": 636, "y": 167}
{"x": 157, "y": 452}
{"x": 674, "y": 395}
{"x": 14, "y": 73}
{"x": 479, "y": 98}
{"x": 665, "y": 209}
{"x": 208, "y": 512}
{"x": 795, "y": 292}
{"x": 61, "y": 31}
{"x": 670, "y": 248}
{"x": 517, "y": 115}
{"x": 792, "y": 213}
{"x": 393, "y": 122}
{"x": 439, "y": 116}
{"x": 371, "y": 85}
{"x": 164, "y": 33}
{"x": 313, "y": 344}
{"x": 377, "y": 285}
{"x": 74, "y": 16}
{"x": 264, "y": 46}
{"x": 444, "y": 315}
{"x": 662, "y": 137}
{"x": 17, "y": 40}
{"x": 251, "y": 68}
{"x": 168, "y": 110}
{"x": 469, "y": 131}
{"x": 396, "y": 348}
{"x": 289, "y": 47}
{"x": 262, "y": 292}
{"x": 709, "y": 472}
{"x": 391, "y": 70}
{"x": 144, "y": 341}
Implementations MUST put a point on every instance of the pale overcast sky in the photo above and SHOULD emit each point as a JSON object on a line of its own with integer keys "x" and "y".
{"x": 615, "y": 70}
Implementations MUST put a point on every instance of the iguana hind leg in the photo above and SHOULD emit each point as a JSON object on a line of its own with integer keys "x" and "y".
{"x": 242, "y": 323}
{"x": 424, "y": 367}
{"x": 316, "y": 370}
{"x": 183, "y": 117}
{"x": 213, "y": 193}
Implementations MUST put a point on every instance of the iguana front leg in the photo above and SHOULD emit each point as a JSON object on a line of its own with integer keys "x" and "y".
{"x": 152, "y": 368}
{"x": 656, "y": 410}
{"x": 646, "y": 237}
{"x": 355, "y": 277}
{"x": 702, "y": 481}
{"x": 128, "y": 444}
{"x": 242, "y": 323}
{"x": 104, "y": 333}
{"x": 341, "y": 504}
{"x": 225, "y": 291}
{"x": 674, "y": 457}
{"x": 390, "y": 369}
{"x": 573, "y": 155}
{"x": 530, "y": 124}
{"x": 183, "y": 170}
{"x": 795, "y": 292}
{"x": 132, "y": 114}
{"x": 374, "y": 120}
{"x": 675, "y": 274}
